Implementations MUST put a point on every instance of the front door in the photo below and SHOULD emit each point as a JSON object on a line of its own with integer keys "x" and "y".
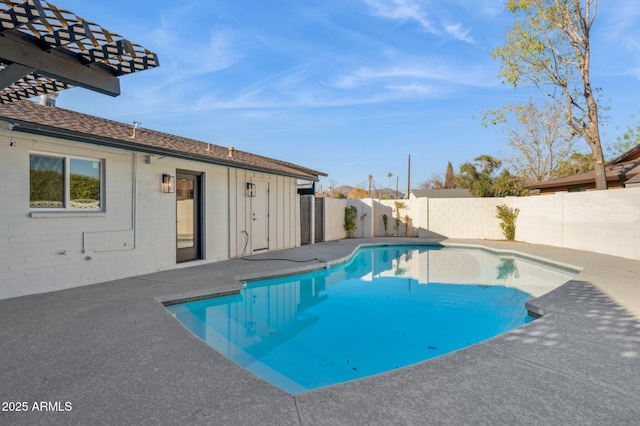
{"x": 260, "y": 217}
{"x": 188, "y": 216}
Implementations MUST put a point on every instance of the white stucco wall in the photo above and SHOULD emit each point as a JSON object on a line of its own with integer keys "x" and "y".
{"x": 43, "y": 251}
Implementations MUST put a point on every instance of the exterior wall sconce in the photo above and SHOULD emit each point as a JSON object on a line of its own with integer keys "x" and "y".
{"x": 251, "y": 189}
{"x": 168, "y": 184}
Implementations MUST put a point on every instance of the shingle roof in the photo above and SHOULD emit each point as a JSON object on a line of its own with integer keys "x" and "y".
{"x": 31, "y": 117}
{"x": 442, "y": 193}
{"x": 613, "y": 172}
{"x": 634, "y": 181}
{"x": 620, "y": 169}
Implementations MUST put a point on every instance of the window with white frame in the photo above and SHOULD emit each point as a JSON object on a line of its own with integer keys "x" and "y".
{"x": 64, "y": 182}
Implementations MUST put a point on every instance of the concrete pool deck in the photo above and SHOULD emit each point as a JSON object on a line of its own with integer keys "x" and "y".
{"x": 116, "y": 355}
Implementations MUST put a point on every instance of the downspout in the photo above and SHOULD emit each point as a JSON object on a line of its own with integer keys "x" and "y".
{"x": 134, "y": 198}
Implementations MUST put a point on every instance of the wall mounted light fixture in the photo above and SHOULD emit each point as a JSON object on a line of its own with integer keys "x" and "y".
{"x": 168, "y": 183}
{"x": 251, "y": 189}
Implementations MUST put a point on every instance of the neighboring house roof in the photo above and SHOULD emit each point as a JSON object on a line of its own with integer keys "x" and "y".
{"x": 633, "y": 182}
{"x": 619, "y": 170}
{"x": 30, "y": 117}
{"x": 441, "y": 193}
{"x": 632, "y": 154}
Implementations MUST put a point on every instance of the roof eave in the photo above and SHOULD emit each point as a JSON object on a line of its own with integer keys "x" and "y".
{"x": 36, "y": 129}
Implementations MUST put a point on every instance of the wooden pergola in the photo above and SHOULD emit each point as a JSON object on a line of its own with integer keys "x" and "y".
{"x": 45, "y": 49}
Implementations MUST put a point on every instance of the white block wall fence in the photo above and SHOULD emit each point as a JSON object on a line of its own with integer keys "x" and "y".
{"x": 605, "y": 222}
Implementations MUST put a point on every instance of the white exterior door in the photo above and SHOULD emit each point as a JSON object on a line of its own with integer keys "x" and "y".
{"x": 260, "y": 217}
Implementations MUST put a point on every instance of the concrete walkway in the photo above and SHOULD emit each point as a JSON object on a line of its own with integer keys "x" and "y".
{"x": 111, "y": 354}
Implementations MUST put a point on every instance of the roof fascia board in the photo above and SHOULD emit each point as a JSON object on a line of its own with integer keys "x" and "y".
{"x": 18, "y": 49}
{"x": 26, "y": 127}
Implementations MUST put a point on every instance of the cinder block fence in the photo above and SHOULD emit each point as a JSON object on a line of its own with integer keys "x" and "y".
{"x": 605, "y": 222}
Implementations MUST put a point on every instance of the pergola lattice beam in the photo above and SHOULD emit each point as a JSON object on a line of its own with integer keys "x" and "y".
{"x": 58, "y": 49}
{"x": 13, "y": 73}
{"x": 20, "y": 14}
{"x": 58, "y": 65}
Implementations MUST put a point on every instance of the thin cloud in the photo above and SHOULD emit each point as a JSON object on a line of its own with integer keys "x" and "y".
{"x": 413, "y": 11}
{"x": 427, "y": 71}
{"x": 403, "y": 10}
{"x": 459, "y": 33}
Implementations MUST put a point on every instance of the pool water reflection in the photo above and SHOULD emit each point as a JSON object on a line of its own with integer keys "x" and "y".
{"x": 387, "y": 308}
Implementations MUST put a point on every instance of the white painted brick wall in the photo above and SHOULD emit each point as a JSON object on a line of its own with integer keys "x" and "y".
{"x": 465, "y": 217}
{"x": 31, "y": 248}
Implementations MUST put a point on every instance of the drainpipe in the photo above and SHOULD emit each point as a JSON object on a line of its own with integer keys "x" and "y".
{"x": 134, "y": 198}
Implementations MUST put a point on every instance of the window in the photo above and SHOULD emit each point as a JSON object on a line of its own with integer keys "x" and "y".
{"x": 65, "y": 182}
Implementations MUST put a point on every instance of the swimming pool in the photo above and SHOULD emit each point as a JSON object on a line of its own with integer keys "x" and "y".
{"x": 386, "y": 308}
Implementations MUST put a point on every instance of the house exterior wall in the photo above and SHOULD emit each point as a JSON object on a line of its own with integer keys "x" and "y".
{"x": 136, "y": 233}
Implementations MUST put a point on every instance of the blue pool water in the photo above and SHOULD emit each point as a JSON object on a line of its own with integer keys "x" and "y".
{"x": 388, "y": 307}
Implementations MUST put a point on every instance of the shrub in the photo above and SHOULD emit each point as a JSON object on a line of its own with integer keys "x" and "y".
{"x": 508, "y": 217}
{"x": 350, "y": 216}
{"x": 385, "y": 222}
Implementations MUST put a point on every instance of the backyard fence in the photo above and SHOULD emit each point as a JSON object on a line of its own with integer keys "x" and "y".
{"x": 605, "y": 222}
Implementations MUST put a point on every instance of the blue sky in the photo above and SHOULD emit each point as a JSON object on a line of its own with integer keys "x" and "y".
{"x": 347, "y": 87}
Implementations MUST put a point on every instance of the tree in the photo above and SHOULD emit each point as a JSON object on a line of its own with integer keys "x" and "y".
{"x": 358, "y": 193}
{"x": 626, "y": 141}
{"x": 479, "y": 178}
{"x": 537, "y": 138}
{"x": 507, "y": 184}
{"x": 434, "y": 182}
{"x": 478, "y": 183}
{"x": 576, "y": 163}
{"x": 548, "y": 47}
{"x": 450, "y": 177}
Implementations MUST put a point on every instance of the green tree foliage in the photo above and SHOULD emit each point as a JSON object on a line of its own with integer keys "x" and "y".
{"x": 576, "y": 163}
{"x": 626, "y": 141}
{"x": 506, "y": 184}
{"x": 548, "y": 47}
{"x": 46, "y": 185}
{"x": 450, "y": 177}
{"x": 480, "y": 179}
{"x": 82, "y": 187}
